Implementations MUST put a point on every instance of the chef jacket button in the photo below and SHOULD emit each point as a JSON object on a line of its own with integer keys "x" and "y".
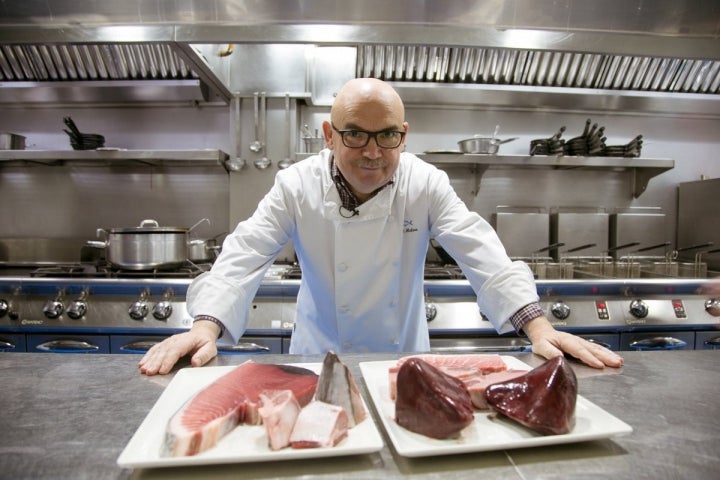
{"x": 342, "y": 267}
{"x": 344, "y": 309}
{"x": 346, "y": 344}
{"x": 394, "y": 341}
{"x": 393, "y": 303}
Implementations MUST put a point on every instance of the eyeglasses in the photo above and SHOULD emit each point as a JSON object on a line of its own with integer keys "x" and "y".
{"x": 352, "y": 138}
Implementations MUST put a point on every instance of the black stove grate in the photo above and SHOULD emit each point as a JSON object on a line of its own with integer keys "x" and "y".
{"x": 81, "y": 270}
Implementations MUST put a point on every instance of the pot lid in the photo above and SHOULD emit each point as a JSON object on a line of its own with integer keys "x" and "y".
{"x": 149, "y": 226}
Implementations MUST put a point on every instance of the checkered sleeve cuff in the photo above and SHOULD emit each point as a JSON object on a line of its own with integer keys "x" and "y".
{"x": 525, "y": 314}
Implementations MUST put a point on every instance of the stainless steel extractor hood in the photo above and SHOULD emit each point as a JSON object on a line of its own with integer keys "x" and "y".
{"x": 526, "y": 50}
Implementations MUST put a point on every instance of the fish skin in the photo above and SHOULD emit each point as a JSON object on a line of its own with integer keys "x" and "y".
{"x": 336, "y": 385}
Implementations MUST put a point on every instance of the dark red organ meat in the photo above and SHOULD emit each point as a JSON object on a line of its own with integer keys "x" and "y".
{"x": 543, "y": 399}
{"x": 430, "y": 402}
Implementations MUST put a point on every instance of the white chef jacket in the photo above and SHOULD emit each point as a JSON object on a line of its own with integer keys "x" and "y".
{"x": 362, "y": 277}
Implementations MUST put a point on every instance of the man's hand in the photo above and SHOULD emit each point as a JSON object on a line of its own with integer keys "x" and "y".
{"x": 548, "y": 342}
{"x": 198, "y": 341}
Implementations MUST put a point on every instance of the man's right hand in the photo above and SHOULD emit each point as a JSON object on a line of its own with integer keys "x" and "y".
{"x": 199, "y": 342}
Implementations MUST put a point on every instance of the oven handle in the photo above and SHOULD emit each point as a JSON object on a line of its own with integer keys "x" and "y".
{"x": 482, "y": 348}
{"x": 59, "y": 346}
{"x": 243, "y": 347}
{"x": 658, "y": 343}
{"x": 141, "y": 346}
{"x": 5, "y": 345}
{"x": 713, "y": 342}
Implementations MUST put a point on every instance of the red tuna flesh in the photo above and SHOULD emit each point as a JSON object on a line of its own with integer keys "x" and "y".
{"x": 230, "y": 400}
{"x": 543, "y": 399}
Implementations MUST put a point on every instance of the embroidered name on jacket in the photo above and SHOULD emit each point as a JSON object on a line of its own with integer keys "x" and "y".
{"x": 408, "y": 226}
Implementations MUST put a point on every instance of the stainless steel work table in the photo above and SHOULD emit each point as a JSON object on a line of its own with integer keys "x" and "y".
{"x": 71, "y": 415}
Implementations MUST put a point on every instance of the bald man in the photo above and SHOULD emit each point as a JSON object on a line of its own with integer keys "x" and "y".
{"x": 360, "y": 215}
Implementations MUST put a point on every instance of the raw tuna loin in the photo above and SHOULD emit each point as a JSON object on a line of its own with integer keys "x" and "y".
{"x": 230, "y": 400}
{"x": 543, "y": 399}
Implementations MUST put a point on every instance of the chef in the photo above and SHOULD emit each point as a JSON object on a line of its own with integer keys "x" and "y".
{"x": 360, "y": 215}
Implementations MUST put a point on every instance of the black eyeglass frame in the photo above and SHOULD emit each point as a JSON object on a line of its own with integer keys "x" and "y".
{"x": 370, "y": 135}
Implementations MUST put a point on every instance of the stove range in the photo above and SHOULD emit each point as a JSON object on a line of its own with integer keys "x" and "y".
{"x": 80, "y": 307}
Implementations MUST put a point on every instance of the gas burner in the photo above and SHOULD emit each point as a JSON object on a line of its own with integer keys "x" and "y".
{"x": 91, "y": 270}
{"x": 443, "y": 272}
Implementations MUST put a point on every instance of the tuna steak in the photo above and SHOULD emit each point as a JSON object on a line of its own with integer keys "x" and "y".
{"x": 543, "y": 399}
{"x": 337, "y": 386}
{"x": 279, "y": 412}
{"x": 319, "y": 424}
{"x": 430, "y": 402}
{"x": 230, "y": 400}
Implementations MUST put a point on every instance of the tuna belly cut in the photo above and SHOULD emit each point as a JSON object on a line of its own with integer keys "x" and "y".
{"x": 230, "y": 400}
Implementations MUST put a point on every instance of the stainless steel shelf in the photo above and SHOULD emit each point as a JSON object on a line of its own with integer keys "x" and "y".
{"x": 642, "y": 169}
{"x": 115, "y": 157}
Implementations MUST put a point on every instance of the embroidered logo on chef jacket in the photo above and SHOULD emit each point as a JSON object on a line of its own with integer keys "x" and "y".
{"x": 408, "y": 226}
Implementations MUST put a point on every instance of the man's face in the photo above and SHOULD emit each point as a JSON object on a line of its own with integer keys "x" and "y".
{"x": 370, "y": 167}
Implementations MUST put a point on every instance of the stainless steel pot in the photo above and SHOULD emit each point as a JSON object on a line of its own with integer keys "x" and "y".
{"x": 146, "y": 247}
{"x": 204, "y": 250}
{"x": 486, "y": 145}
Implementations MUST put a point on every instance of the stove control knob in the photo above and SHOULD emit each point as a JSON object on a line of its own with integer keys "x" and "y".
{"x": 4, "y": 307}
{"x": 560, "y": 310}
{"x": 430, "y": 311}
{"x": 138, "y": 310}
{"x": 638, "y": 309}
{"x": 77, "y": 309}
{"x": 53, "y": 309}
{"x": 712, "y": 306}
{"x": 162, "y": 310}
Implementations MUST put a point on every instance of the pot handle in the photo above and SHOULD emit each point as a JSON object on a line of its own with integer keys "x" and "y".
{"x": 150, "y": 222}
{"x": 198, "y": 224}
{"x": 96, "y": 244}
{"x": 101, "y": 232}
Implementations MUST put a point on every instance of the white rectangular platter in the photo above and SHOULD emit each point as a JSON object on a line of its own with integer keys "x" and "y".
{"x": 484, "y": 434}
{"x": 244, "y": 444}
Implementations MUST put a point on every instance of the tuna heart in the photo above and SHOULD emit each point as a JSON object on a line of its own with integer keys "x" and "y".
{"x": 431, "y": 402}
{"x": 543, "y": 399}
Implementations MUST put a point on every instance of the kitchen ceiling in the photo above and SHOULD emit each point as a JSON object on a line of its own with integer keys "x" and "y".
{"x": 516, "y": 47}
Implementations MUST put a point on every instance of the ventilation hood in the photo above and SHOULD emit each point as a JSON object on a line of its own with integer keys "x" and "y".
{"x": 660, "y": 56}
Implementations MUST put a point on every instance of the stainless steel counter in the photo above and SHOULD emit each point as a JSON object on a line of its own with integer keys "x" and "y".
{"x": 71, "y": 415}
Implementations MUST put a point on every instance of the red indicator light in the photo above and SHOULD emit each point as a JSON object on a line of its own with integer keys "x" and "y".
{"x": 600, "y": 304}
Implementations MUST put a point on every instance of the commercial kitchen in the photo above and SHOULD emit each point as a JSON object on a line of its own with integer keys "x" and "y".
{"x": 585, "y": 132}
